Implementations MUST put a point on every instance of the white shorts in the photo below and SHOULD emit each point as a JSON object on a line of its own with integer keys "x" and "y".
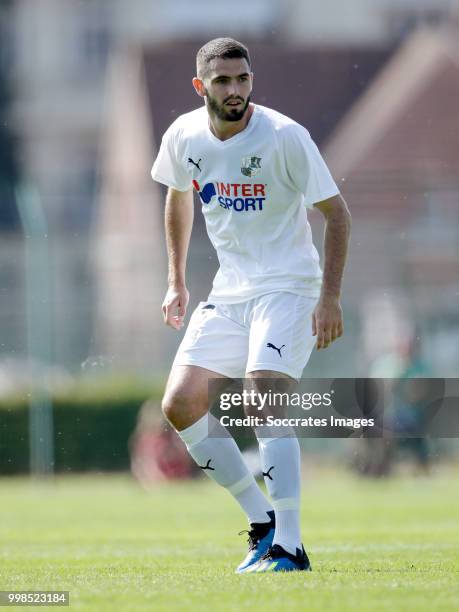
{"x": 270, "y": 332}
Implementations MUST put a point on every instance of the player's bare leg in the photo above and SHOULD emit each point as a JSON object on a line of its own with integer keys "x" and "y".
{"x": 186, "y": 398}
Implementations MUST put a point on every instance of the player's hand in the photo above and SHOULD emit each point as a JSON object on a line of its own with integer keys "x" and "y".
{"x": 174, "y": 306}
{"x": 327, "y": 321}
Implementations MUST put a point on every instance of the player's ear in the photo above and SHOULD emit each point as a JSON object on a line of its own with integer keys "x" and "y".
{"x": 199, "y": 87}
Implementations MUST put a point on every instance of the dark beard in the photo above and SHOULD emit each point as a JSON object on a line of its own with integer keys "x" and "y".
{"x": 222, "y": 113}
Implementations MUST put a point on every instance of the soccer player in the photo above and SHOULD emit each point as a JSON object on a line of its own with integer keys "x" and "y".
{"x": 256, "y": 172}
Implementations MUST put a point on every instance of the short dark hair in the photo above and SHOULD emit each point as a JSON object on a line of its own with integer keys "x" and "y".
{"x": 226, "y": 48}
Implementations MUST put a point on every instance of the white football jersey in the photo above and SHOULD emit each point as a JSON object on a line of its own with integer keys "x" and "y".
{"x": 254, "y": 189}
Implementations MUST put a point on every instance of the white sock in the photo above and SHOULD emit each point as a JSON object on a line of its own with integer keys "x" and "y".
{"x": 221, "y": 459}
{"x": 280, "y": 458}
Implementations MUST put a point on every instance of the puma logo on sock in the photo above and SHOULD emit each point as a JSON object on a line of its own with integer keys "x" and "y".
{"x": 207, "y": 466}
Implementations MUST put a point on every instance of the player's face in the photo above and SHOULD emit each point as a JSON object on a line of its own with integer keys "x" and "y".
{"x": 228, "y": 85}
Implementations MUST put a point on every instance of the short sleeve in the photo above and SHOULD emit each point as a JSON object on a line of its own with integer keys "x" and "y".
{"x": 168, "y": 167}
{"x": 306, "y": 168}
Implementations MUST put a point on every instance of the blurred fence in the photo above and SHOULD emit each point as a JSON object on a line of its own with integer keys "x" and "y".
{"x": 71, "y": 306}
{"x": 74, "y": 321}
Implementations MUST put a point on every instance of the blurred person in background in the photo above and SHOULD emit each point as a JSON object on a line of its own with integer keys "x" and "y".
{"x": 410, "y": 412}
{"x": 406, "y": 414}
{"x": 256, "y": 172}
{"x": 156, "y": 452}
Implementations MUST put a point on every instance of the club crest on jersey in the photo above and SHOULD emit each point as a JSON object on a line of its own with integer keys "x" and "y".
{"x": 251, "y": 165}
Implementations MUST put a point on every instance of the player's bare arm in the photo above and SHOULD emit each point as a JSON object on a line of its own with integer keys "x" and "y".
{"x": 327, "y": 318}
{"x": 178, "y": 224}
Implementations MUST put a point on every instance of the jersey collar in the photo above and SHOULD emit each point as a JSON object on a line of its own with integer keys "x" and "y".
{"x": 240, "y": 135}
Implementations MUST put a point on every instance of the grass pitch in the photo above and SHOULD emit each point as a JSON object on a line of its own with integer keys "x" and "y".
{"x": 374, "y": 545}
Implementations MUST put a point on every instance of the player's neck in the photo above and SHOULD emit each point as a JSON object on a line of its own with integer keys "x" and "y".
{"x": 223, "y": 130}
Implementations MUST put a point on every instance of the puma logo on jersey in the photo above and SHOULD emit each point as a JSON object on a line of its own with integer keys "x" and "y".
{"x": 271, "y": 345}
{"x": 190, "y": 161}
{"x": 267, "y": 474}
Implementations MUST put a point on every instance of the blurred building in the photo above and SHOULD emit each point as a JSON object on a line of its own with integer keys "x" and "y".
{"x": 397, "y": 154}
{"x": 77, "y": 67}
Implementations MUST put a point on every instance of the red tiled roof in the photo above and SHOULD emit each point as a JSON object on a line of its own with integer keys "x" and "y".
{"x": 401, "y": 140}
{"x": 313, "y": 86}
